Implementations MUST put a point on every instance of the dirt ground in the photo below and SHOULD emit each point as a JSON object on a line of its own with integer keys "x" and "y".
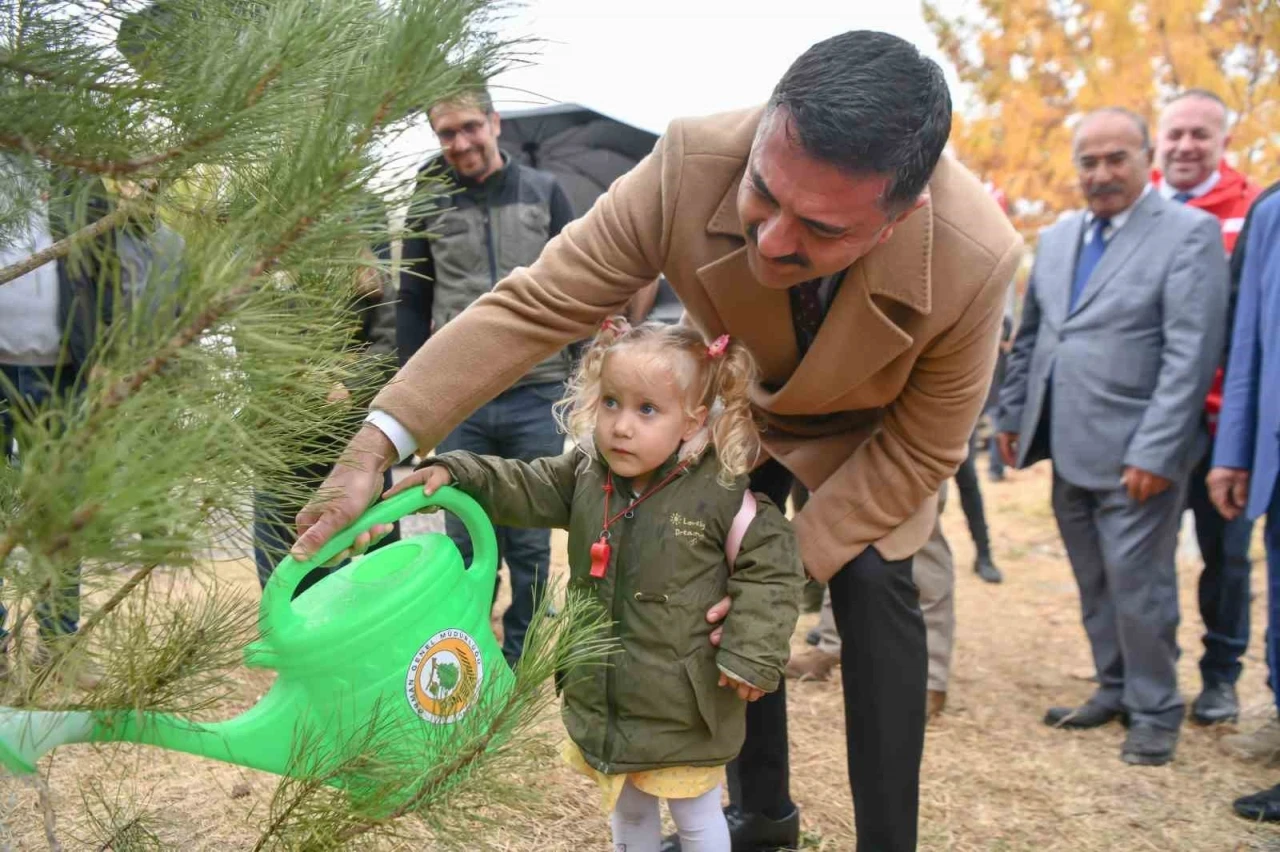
{"x": 994, "y": 777}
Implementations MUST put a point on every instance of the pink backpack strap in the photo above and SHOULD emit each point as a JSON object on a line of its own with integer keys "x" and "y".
{"x": 738, "y": 529}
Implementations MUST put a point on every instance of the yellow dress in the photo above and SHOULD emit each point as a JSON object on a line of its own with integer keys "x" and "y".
{"x": 672, "y": 782}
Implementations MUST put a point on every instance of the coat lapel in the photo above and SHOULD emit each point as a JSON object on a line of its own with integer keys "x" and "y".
{"x": 857, "y": 338}
{"x": 1056, "y": 268}
{"x": 1142, "y": 221}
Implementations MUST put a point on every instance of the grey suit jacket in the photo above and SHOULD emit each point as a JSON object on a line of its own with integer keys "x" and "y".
{"x": 1123, "y": 376}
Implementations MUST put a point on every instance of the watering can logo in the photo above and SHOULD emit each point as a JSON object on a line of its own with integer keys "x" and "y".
{"x": 445, "y": 676}
{"x": 400, "y": 635}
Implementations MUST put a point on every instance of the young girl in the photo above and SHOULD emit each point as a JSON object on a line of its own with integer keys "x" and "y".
{"x": 649, "y": 495}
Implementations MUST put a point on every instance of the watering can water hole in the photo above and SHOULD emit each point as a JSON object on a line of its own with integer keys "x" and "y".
{"x": 398, "y": 639}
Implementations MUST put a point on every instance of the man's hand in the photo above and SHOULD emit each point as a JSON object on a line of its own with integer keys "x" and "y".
{"x": 1007, "y": 443}
{"x": 1228, "y": 490}
{"x": 349, "y": 489}
{"x": 432, "y": 479}
{"x": 715, "y": 615}
{"x": 745, "y": 691}
{"x": 1143, "y": 485}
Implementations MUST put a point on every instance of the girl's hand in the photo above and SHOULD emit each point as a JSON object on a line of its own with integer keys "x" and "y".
{"x": 432, "y": 479}
{"x": 746, "y": 691}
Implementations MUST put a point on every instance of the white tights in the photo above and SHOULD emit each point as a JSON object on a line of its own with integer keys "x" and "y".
{"x": 637, "y": 823}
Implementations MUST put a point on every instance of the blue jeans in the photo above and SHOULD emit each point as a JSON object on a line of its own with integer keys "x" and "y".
{"x": 1271, "y": 536}
{"x": 517, "y": 425}
{"x": 34, "y": 386}
{"x": 1224, "y": 582}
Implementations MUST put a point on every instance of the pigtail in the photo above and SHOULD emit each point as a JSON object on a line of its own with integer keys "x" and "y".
{"x": 734, "y": 431}
{"x": 575, "y": 413}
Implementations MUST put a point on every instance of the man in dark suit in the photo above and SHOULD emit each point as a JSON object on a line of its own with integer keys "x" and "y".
{"x": 1121, "y": 332}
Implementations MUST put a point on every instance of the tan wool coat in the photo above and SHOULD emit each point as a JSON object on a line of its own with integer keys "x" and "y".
{"x": 873, "y": 419}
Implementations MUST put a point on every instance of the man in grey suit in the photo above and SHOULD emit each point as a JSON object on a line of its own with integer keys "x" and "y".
{"x": 1121, "y": 331}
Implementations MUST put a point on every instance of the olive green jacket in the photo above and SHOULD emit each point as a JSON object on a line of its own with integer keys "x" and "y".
{"x": 657, "y": 703}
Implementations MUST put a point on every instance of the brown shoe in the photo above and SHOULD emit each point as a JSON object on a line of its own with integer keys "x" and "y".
{"x": 936, "y": 703}
{"x": 87, "y": 676}
{"x": 814, "y": 664}
{"x": 1261, "y": 745}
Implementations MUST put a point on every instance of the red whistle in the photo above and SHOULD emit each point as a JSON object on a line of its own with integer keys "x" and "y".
{"x": 599, "y": 558}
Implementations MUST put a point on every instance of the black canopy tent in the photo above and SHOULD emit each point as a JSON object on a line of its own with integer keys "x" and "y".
{"x": 586, "y": 151}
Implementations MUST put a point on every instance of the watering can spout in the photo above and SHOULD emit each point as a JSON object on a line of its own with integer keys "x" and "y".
{"x": 385, "y": 654}
{"x": 259, "y": 738}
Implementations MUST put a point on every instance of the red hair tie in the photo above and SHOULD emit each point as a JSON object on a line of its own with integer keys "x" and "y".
{"x": 718, "y": 347}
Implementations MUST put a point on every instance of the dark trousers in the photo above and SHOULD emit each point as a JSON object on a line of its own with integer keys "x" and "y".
{"x": 971, "y": 502}
{"x": 518, "y": 424}
{"x": 273, "y": 526}
{"x": 1271, "y": 537}
{"x": 34, "y": 386}
{"x": 884, "y": 666}
{"x": 1224, "y": 582}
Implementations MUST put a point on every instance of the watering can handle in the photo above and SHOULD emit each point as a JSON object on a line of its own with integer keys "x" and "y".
{"x": 484, "y": 561}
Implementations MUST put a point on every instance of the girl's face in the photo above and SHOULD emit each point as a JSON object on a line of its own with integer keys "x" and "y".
{"x": 642, "y": 416}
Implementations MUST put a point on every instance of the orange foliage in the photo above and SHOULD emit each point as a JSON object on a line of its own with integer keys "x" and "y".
{"x": 1034, "y": 66}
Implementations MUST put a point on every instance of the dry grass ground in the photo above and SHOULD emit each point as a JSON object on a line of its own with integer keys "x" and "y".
{"x": 994, "y": 777}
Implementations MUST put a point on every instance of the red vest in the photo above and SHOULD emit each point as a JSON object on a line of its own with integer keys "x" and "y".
{"x": 1229, "y": 200}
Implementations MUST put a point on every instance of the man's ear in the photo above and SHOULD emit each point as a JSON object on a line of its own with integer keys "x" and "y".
{"x": 697, "y": 420}
{"x": 920, "y": 201}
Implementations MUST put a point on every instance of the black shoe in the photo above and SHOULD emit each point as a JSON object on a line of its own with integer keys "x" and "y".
{"x": 1260, "y": 807}
{"x": 996, "y": 476}
{"x": 753, "y": 832}
{"x": 987, "y": 570}
{"x": 1217, "y": 703}
{"x": 1148, "y": 745}
{"x": 813, "y": 637}
{"x": 1087, "y": 715}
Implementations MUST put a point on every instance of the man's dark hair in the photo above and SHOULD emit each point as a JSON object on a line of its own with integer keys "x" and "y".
{"x": 869, "y": 103}
{"x": 1138, "y": 121}
{"x": 476, "y": 96}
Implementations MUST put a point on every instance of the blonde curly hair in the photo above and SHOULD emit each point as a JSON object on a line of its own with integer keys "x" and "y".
{"x": 721, "y": 382}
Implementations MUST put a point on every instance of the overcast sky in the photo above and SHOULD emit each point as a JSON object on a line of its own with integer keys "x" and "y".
{"x": 648, "y": 61}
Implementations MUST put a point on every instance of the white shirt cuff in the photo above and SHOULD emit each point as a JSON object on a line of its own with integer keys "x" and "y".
{"x": 736, "y": 677}
{"x": 403, "y": 439}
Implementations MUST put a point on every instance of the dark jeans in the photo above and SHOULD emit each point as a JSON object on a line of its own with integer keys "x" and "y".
{"x": 59, "y": 615}
{"x": 516, "y": 425}
{"x": 884, "y": 666}
{"x": 1224, "y": 582}
{"x": 1271, "y": 535}
{"x": 971, "y": 501}
{"x": 273, "y": 527}
{"x": 995, "y": 463}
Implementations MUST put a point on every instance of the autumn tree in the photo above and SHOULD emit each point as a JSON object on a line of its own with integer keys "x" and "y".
{"x": 1033, "y": 67}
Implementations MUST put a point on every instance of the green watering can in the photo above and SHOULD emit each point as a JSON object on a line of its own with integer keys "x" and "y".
{"x": 400, "y": 635}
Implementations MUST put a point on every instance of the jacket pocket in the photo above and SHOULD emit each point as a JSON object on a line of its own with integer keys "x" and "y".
{"x": 722, "y": 711}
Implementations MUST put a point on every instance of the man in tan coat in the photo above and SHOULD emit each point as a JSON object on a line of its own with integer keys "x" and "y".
{"x": 867, "y": 275}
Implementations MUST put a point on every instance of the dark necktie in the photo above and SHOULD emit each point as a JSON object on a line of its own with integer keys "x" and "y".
{"x": 806, "y": 312}
{"x": 1182, "y": 197}
{"x": 1090, "y": 254}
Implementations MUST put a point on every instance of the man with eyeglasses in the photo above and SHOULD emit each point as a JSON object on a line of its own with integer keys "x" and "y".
{"x": 1122, "y": 329}
{"x": 499, "y": 218}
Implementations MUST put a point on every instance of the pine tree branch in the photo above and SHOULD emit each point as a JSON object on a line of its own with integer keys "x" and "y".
{"x": 108, "y": 168}
{"x": 63, "y": 246}
{"x": 47, "y": 814}
{"x": 8, "y": 542}
{"x": 140, "y": 92}
{"x": 120, "y": 168}
{"x": 439, "y": 773}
